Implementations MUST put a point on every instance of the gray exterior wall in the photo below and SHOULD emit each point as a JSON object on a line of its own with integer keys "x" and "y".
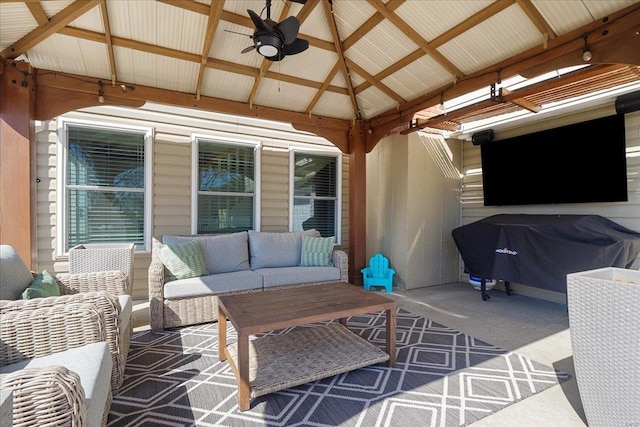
{"x": 171, "y": 175}
{"x": 412, "y": 203}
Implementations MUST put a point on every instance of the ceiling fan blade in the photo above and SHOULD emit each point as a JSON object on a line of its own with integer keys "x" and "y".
{"x": 298, "y": 45}
{"x": 300, "y": 1}
{"x": 259, "y": 23}
{"x": 247, "y": 49}
{"x": 289, "y": 29}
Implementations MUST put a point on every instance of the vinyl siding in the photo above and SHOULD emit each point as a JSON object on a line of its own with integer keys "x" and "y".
{"x": 171, "y": 175}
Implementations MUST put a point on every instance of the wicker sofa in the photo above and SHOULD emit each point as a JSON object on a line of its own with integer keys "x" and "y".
{"x": 237, "y": 262}
{"x": 108, "y": 291}
{"x": 63, "y": 379}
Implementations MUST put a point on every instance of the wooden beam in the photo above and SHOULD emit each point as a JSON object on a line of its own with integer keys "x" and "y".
{"x": 323, "y": 88}
{"x": 623, "y": 20}
{"x": 417, "y": 39}
{"x": 520, "y": 102}
{"x": 192, "y": 57}
{"x": 212, "y": 25}
{"x": 37, "y": 35}
{"x": 37, "y": 13}
{"x": 80, "y": 84}
{"x": 107, "y": 38}
{"x": 328, "y": 8}
{"x": 17, "y": 160}
{"x": 369, "y": 24}
{"x": 447, "y": 36}
{"x": 538, "y": 20}
{"x": 357, "y": 201}
{"x": 375, "y": 82}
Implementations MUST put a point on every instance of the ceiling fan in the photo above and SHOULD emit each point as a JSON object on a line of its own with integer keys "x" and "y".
{"x": 275, "y": 40}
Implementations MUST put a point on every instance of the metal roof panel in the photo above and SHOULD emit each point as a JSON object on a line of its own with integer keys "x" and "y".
{"x": 503, "y": 35}
{"x": 15, "y": 22}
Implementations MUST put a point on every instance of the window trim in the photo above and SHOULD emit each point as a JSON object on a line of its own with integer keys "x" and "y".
{"x": 195, "y": 157}
{"x": 61, "y": 175}
{"x": 317, "y": 152}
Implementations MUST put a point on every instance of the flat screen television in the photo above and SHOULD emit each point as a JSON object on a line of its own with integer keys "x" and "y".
{"x": 579, "y": 163}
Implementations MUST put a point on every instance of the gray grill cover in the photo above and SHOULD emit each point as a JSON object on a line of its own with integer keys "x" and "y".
{"x": 540, "y": 250}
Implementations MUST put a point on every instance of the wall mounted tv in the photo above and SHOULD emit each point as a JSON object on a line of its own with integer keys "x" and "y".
{"x": 579, "y": 163}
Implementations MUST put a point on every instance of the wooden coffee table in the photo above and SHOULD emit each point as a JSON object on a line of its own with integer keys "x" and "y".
{"x": 258, "y": 312}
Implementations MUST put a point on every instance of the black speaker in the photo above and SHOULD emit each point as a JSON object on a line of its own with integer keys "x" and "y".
{"x": 482, "y": 137}
{"x": 628, "y": 103}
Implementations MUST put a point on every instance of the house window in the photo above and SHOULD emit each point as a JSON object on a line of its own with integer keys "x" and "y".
{"x": 226, "y": 186}
{"x": 104, "y": 197}
{"x": 316, "y": 192}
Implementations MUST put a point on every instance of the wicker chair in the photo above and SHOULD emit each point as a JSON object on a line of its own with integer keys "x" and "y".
{"x": 46, "y": 393}
{"x": 104, "y": 289}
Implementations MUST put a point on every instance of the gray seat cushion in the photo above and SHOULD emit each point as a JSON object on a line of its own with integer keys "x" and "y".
{"x": 15, "y": 276}
{"x": 276, "y": 249}
{"x": 221, "y": 253}
{"x": 296, "y": 275}
{"x": 92, "y": 363}
{"x": 213, "y": 284}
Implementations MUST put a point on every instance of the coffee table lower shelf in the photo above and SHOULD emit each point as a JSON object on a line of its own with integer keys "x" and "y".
{"x": 306, "y": 354}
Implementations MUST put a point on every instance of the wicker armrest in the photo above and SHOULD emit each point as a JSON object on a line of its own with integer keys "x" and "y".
{"x": 113, "y": 282}
{"x": 340, "y": 259}
{"x": 106, "y": 303}
{"x": 156, "y": 288}
{"x": 51, "y": 395}
{"x": 41, "y": 331}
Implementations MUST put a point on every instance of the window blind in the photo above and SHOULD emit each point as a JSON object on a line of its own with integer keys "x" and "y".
{"x": 315, "y": 193}
{"x": 105, "y": 186}
{"x": 226, "y": 187}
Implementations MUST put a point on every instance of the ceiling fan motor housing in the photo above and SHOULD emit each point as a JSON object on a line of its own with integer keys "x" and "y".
{"x": 267, "y": 44}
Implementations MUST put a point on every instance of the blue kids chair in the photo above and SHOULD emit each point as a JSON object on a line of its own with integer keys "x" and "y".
{"x": 378, "y": 273}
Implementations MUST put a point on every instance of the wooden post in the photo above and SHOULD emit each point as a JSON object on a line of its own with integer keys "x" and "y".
{"x": 17, "y": 159}
{"x": 357, "y": 202}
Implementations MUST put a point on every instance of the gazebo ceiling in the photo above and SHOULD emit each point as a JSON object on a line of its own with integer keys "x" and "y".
{"x": 390, "y": 63}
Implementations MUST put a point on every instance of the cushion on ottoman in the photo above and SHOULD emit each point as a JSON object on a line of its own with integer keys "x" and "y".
{"x": 92, "y": 363}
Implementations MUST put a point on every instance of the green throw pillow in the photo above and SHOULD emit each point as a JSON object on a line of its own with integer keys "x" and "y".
{"x": 183, "y": 260}
{"x": 44, "y": 285}
{"x": 316, "y": 251}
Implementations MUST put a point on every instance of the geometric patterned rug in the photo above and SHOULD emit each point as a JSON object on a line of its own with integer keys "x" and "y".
{"x": 442, "y": 377}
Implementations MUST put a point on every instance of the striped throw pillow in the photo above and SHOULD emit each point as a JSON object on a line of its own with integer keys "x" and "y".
{"x": 183, "y": 260}
{"x": 316, "y": 251}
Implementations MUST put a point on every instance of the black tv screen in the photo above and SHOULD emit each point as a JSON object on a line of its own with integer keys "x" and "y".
{"x": 580, "y": 163}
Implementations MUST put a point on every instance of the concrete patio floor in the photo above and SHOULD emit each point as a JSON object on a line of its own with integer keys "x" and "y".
{"x": 534, "y": 328}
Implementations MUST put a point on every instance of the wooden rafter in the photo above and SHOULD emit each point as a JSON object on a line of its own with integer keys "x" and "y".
{"x": 328, "y": 8}
{"x": 417, "y": 38}
{"x": 369, "y": 24}
{"x": 374, "y": 81}
{"x": 37, "y": 35}
{"x": 323, "y": 89}
{"x": 107, "y": 38}
{"x": 454, "y": 32}
{"x": 38, "y": 13}
{"x": 192, "y": 57}
{"x": 215, "y": 10}
{"x": 623, "y": 21}
{"x": 537, "y": 19}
